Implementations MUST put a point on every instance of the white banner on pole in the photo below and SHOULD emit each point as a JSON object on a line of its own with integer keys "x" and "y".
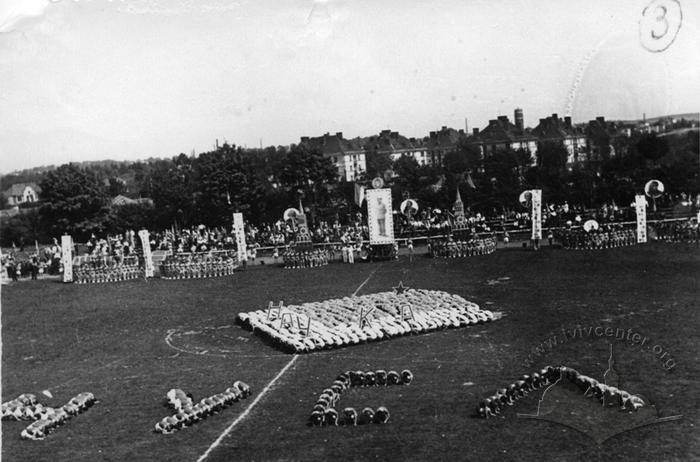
{"x": 147, "y": 255}
{"x": 640, "y": 204}
{"x": 239, "y": 231}
{"x": 536, "y": 214}
{"x": 380, "y": 217}
{"x": 67, "y": 258}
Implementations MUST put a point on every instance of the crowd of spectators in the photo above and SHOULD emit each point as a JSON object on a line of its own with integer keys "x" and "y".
{"x": 21, "y": 264}
{"x": 112, "y": 250}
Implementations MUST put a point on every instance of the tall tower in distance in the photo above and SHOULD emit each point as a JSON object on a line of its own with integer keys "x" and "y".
{"x": 519, "y": 120}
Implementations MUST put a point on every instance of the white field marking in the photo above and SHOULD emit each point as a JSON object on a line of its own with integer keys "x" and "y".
{"x": 247, "y": 411}
{"x": 220, "y": 352}
{"x": 364, "y": 282}
{"x": 250, "y": 407}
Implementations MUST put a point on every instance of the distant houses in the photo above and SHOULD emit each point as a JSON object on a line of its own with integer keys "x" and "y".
{"x": 554, "y": 129}
{"x": 502, "y": 134}
{"x": 585, "y": 142}
{"x": 348, "y": 156}
{"x": 25, "y": 194}
{"x": 22, "y": 193}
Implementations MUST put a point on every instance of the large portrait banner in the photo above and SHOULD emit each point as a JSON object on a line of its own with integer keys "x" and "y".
{"x": 380, "y": 216}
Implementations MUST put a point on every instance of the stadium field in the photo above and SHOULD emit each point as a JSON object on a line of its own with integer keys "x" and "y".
{"x": 130, "y": 342}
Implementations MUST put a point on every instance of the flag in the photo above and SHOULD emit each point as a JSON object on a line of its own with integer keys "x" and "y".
{"x": 470, "y": 183}
{"x": 359, "y": 194}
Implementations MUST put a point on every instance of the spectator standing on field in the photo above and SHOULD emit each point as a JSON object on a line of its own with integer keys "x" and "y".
{"x": 351, "y": 254}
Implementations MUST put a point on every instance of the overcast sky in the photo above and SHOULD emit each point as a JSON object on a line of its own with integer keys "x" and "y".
{"x": 89, "y": 80}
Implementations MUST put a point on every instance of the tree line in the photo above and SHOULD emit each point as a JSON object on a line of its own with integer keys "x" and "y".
{"x": 207, "y": 188}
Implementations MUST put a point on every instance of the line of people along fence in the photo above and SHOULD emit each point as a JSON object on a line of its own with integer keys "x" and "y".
{"x": 213, "y": 263}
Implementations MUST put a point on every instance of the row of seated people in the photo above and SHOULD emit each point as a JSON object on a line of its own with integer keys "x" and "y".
{"x": 675, "y": 232}
{"x": 199, "y": 265}
{"x": 324, "y": 413}
{"x": 88, "y": 273}
{"x": 604, "y": 238}
{"x": 295, "y": 258}
{"x": 592, "y": 388}
{"x": 452, "y": 248}
{"x": 188, "y": 413}
{"x": 46, "y": 419}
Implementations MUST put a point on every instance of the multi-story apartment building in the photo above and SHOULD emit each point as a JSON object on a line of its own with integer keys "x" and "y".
{"x": 501, "y": 133}
{"x": 601, "y": 136}
{"x": 441, "y": 142}
{"x": 348, "y": 156}
{"x": 554, "y": 129}
{"x": 397, "y": 145}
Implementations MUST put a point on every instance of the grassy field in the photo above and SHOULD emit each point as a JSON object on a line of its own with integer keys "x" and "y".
{"x": 130, "y": 342}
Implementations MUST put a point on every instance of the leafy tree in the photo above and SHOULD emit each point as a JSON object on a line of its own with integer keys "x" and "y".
{"x": 377, "y": 162}
{"x": 130, "y": 216}
{"x": 304, "y": 168}
{"x": 408, "y": 172}
{"x": 307, "y": 173}
{"x": 652, "y": 147}
{"x": 73, "y": 201}
{"x": 551, "y": 171}
{"x": 467, "y": 156}
{"x": 503, "y": 172}
{"x": 26, "y": 226}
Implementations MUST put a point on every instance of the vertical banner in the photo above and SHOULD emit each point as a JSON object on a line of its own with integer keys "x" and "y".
{"x": 67, "y": 258}
{"x": 640, "y": 204}
{"x": 536, "y": 214}
{"x": 147, "y": 255}
{"x": 239, "y": 231}
{"x": 380, "y": 217}
{"x": 359, "y": 194}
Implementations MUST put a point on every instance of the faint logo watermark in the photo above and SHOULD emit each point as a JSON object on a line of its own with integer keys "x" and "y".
{"x": 628, "y": 336}
{"x": 600, "y": 406}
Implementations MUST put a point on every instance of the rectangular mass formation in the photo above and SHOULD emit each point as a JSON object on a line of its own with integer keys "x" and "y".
{"x": 351, "y": 320}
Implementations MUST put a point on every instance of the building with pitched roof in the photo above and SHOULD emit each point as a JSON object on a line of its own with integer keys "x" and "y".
{"x": 441, "y": 142}
{"x": 348, "y": 156}
{"x": 22, "y": 193}
{"x": 397, "y": 146}
{"x": 501, "y": 134}
{"x": 601, "y": 136}
{"x": 554, "y": 129}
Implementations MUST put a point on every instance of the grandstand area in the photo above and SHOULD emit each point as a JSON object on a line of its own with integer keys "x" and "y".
{"x": 130, "y": 342}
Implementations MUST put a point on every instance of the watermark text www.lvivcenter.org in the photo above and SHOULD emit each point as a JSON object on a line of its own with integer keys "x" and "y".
{"x": 628, "y": 336}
